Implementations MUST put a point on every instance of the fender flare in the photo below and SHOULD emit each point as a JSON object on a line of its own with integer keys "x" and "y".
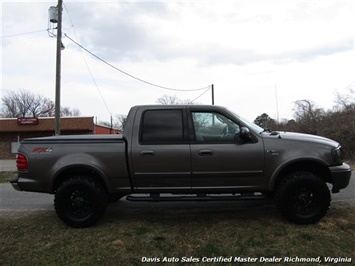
{"x": 61, "y": 167}
{"x": 304, "y": 163}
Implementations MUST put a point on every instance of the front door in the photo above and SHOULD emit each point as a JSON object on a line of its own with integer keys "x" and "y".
{"x": 220, "y": 158}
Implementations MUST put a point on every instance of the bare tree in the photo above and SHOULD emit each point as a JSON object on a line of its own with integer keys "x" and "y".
{"x": 308, "y": 116}
{"x": 118, "y": 122}
{"x": 121, "y": 121}
{"x": 24, "y": 103}
{"x": 66, "y": 111}
{"x": 166, "y": 100}
{"x": 337, "y": 124}
{"x": 345, "y": 101}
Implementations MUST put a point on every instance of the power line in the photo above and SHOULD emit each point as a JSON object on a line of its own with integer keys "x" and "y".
{"x": 24, "y": 33}
{"x": 123, "y": 72}
{"x": 86, "y": 64}
{"x": 201, "y": 94}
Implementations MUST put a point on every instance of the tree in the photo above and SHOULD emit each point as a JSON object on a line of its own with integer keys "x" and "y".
{"x": 166, "y": 100}
{"x": 346, "y": 101}
{"x": 337, "y": 124}
{"x": 308, "y": 116}
{"x": 121, "y": 120}
{"x": 66, "y": 111}
{"x": 27, "y": 104}
{"x": 118, "y": 122}
{"x": 265, "y": 121}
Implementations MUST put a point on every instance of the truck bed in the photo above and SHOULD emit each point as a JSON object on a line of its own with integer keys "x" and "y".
{"x": 55, "y": 156}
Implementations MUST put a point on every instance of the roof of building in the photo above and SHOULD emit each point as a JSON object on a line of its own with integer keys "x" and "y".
{"x": 100, "y": 129}
{"x": 47, "y": 124}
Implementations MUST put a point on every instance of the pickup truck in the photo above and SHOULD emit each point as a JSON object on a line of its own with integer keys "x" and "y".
{"x": 183, "y": 152}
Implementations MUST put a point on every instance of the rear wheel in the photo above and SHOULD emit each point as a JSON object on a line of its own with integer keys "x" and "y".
{"x": 302, "y": 197}
{"x": 80, "y": 201}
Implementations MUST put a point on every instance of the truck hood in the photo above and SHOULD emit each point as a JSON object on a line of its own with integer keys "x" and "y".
{"x": 304, "y": 138}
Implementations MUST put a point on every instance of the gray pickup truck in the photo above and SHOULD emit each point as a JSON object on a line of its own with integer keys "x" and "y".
{"x": 191, "y": 152}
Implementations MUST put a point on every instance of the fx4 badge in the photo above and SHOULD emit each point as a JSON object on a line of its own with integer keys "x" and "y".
{"x": 41, "y": 150}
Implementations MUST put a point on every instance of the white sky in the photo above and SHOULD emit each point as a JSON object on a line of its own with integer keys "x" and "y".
{"x": 246, "y": 49}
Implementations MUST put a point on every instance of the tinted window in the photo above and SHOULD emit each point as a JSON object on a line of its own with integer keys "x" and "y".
{"x": 162, "y": 126}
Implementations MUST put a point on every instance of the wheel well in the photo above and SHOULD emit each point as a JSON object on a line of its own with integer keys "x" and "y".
{"x": 76, "y": 171}
{"x": 309, "y": 166}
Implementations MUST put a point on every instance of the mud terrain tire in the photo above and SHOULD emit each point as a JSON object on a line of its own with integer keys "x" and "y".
{"x": 80, "y": 201}
{"x": 303, "y": 197}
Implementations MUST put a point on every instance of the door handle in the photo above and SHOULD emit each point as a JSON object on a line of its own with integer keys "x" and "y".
{"x": 147, "y": 153}
{"x": 205, "y": 152}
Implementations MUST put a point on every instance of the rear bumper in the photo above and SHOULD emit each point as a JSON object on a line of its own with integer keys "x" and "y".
{"x": 25, "y": 184}
{"x": 15, "y": 184}
{"x": 340, "y": 176}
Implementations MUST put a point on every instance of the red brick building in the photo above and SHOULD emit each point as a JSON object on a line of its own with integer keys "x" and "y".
{"x": 13, "y": 130}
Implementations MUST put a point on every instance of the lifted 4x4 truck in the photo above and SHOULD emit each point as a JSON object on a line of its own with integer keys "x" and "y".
{"x": 191, "y": 152}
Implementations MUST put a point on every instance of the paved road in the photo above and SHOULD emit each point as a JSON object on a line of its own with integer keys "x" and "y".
{"x": 12, "y": 200}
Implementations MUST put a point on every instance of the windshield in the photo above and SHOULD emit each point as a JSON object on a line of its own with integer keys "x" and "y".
{"x": 253, "y": 127}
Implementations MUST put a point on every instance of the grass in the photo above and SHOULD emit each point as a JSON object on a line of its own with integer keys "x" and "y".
{"x": 134, "y": 237}
{"x": 5, "y": 177}
{"x": 125, "y": 237}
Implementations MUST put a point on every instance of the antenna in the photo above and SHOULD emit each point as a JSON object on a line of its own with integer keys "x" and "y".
{"x": 277, "y": 108}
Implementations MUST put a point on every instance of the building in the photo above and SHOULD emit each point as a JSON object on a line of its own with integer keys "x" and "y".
{"x": 13, "y": 130}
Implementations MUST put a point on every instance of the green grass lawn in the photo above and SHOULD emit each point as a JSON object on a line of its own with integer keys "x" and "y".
{"x": 133, "y": 238}
{"x": 5, "y": 177}
{"x": 184, "y": 236}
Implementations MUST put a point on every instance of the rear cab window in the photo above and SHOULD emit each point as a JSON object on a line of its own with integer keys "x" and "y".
{"x": 164, "y": 126}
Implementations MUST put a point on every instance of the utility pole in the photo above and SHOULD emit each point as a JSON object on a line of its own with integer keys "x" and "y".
{"x": 58, "y": 69}
{"x": 111, "y": 126}
{"x": 212, "y": 94}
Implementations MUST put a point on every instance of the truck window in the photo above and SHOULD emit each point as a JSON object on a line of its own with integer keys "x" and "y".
{"x": 162, "y": 126}
{"x": 214, "y": 127}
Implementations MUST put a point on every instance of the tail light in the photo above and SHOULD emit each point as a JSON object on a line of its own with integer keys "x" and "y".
{"x": 21, "y": 162}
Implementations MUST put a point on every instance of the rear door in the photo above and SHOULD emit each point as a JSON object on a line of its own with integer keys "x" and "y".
{"x": 161, "y": 156}
{"x": 220, "y": 158}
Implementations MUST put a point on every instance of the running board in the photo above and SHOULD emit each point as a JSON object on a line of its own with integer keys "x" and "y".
{"x": 198, "y": 197}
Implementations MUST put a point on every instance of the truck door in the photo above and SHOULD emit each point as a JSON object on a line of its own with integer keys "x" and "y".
{"x": 160, "y": 150}
{"x": 220, "y": 159}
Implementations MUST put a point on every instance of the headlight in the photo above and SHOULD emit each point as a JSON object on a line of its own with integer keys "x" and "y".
{"x": 337, "y": 155}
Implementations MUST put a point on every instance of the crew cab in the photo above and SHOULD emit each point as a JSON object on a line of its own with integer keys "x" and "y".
{"x": 183, "y": 152}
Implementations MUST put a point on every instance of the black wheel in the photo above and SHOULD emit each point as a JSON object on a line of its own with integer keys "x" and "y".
{"x": 303, "y": 198}
{"x": 80, "y": 201}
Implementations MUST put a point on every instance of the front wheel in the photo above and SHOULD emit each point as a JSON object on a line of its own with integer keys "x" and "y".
{"x": 302, "y": 197}
{"x": 80, "y": 201}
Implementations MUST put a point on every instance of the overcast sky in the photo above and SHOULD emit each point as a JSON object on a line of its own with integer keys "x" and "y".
{"x": 250, "y": 50}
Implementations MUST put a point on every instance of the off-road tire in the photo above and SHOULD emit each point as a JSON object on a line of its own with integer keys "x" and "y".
{"x": 302, "y": 197}
{"x": 80, "y": 201}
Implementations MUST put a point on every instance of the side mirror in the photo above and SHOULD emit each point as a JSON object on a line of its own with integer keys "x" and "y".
{"x": 245, "y": 133}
